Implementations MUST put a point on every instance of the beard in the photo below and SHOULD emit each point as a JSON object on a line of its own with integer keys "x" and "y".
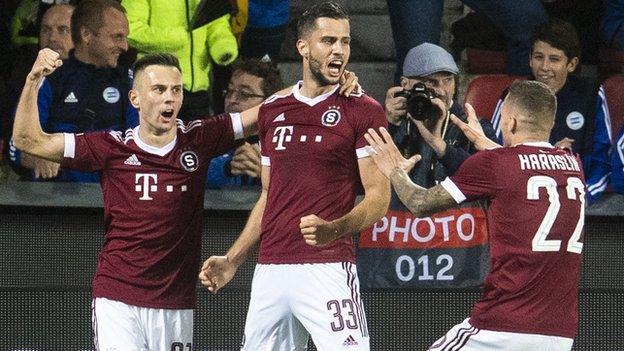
{"x": 317, "y": 74}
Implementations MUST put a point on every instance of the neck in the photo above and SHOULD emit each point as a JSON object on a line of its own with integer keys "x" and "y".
{"x": 310, "y": 87}
{"x": 152, "y": 137}
{"x": 521, "y": 139}
{"x": 82, "y": 54}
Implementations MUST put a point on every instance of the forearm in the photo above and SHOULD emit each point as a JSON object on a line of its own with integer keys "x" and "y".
{"x": 366, "y": 213}
{"x": 27, "y": 133}
{"x": 250, "y": 236}
{"x": 420, "y": 201}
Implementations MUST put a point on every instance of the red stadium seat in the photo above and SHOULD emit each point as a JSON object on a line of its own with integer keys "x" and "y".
{"x": 485, "y": 61}
{"x": 614, "y": 90}
{"x": 484, "y": 91}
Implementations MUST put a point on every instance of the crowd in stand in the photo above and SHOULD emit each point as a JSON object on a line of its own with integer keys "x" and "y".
{"x": 229, "y": 51}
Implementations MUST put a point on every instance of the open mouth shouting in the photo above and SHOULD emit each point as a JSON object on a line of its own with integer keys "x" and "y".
{"x": 167, "y": 113}
{"x": 335, "y": 68}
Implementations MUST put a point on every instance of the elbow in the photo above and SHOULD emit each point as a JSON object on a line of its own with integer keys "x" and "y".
{"x": 20, "y": 141}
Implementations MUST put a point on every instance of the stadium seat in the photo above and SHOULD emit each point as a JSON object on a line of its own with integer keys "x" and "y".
{"x": 614, "y": 90}
{"x": 485, "y": 61}
{"x": 611, "y": 61}
{"x": 484, "y": 91}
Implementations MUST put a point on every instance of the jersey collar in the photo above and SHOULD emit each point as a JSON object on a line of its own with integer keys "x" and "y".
{"x": 160, "y": 151}
{"x": 311, "y": 101}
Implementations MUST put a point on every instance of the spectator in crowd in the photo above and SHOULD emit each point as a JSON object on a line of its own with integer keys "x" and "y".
{"x": 617, "y": 163}
{"x": 89, "y": 92}
{"x": 555, "y": 54}
{"x": 415, "y": 22}
{"x": 612, "y": 25}
{"x": 252, "y": 81}
{"x": 163, "y": 25}
{"x": 266, "y": 28}
{"x": 441, "y": 145}
{"x": 598, "y": 164}
{"x": 530, "y": 296}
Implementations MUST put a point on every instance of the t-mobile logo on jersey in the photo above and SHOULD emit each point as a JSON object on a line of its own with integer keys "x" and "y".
{"x": 149, "y": 184}
{"x": 282, "y": 135}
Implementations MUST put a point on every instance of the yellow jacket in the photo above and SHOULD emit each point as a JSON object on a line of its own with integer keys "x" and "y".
{"x": 164, "y": 26}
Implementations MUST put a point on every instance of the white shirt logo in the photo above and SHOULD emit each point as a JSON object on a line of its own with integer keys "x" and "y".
{"x": 71, "y": 98}
{"x": 132, "y": 161}
{"x": 111, "y": 95}
{"x": 575, "y": 120}
{"x": 280, "y": 118}
{"x": 282, "y": 135}
{"x": 145, "y": 183}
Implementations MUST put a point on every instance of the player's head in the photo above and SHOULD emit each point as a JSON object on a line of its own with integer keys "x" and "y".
{"x": 55, "y": 31}
{"x": 528, "y": 112}
{"x": 555, "y": 53}
{"x": 324, "y": 42}
{"x": 157, "y": 91}
{"x": 252, "y": 81}
{"x": 99, "y": 31}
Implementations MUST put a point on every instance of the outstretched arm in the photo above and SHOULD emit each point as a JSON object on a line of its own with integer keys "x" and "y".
{"x": 392, "y": 164}
{"x": 27, "y": 133}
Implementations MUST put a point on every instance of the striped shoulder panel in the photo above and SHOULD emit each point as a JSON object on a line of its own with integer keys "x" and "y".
{"x": 187, "y": 127}
{"x": 274, "y": 97}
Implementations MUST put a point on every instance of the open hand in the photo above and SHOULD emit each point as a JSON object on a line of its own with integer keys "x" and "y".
{"x": 385, "y": 154}
{"x": 473, "y": 130}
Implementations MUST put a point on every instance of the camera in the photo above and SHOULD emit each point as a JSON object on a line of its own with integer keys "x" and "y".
{"x": 419, "y": 103}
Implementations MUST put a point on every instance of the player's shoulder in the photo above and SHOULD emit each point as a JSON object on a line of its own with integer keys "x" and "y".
{"x": 361, "y": 99}
{"x": 281, "y": 96}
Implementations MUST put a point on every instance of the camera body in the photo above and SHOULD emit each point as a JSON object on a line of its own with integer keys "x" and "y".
{"x": 419, "y": 103}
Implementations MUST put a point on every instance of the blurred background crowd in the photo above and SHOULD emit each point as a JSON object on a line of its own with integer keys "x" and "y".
{"x": 236, "y": 53}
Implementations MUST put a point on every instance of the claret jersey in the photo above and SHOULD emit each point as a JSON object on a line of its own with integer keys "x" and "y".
{"x": 535, "y": 221}
{"x": 312, "y": 147}
{"x": 153, "y": 208}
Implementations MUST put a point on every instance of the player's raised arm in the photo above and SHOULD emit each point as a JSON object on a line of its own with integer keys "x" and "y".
{"x": 394, "y": 166}
{"x": 27, "y": 133}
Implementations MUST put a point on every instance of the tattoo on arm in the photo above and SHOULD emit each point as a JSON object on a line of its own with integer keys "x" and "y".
{"x": 420, "y": 201}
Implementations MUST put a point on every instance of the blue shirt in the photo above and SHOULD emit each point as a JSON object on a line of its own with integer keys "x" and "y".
{"x": 78, "y": 97}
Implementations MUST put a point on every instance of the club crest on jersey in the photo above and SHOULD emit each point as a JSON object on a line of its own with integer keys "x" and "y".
{"x": 189, "y": 161}
{"x": 331, "y": 117}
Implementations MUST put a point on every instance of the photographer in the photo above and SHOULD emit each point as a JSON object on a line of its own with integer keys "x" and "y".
{"x": 430, "y": 133}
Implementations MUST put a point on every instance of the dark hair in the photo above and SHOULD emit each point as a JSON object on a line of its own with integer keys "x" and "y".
{"x": 156, "y": 59}
{"x": 268, "y": 71}
{"x": 537, "y": 102}
{"x": 560, "y": 35}
{"x": 307, "y": 21}
{"x": 90, "y": 14}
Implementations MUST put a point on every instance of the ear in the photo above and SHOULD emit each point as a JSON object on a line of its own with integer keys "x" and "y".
{"x": 134, "y": 99}
{"x": 572, "y": 64}
{"x": 303, "y": 48}
{"x": 513, "y": 124}
{"x": 404, "y": 82}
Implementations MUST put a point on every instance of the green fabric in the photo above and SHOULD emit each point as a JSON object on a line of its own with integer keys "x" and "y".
{"x": 162, "y": 26}
{"x": 25, "y": 16}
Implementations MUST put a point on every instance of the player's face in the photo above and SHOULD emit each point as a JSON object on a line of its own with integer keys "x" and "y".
{"x": 55, "y": 32}
{"x": 158, "y": 97}
{"x": 328, "y": 50}
{"x": 243, "y": 92}
{"x": 550, "y": 65}
{"x": 109, "y": 41}
{"x": 443, "y": 83}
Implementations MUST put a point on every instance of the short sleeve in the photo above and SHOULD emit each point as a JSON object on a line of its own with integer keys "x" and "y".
{"x": 366, "y": 114}
{"x": 220, "y": 133}
{"x": 475, "y": 178}
{"x": 87, "y": 152}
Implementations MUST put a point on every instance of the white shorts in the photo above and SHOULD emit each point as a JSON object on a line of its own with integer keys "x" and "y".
{"x": 291, "y": 302}
{"x": 465, "y": 337}
{"x": 120, "y": 327}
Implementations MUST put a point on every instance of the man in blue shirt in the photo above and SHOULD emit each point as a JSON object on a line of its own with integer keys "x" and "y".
{"x": 90, "y": 91}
